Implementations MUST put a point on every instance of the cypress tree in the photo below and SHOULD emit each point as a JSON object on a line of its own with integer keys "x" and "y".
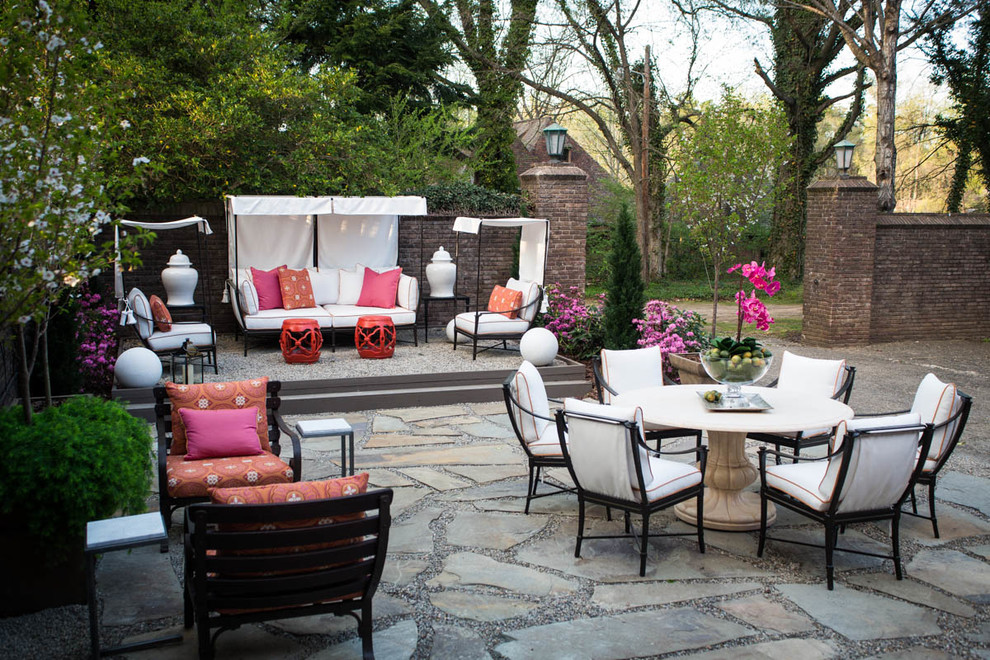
{"x": 624, "y": 300}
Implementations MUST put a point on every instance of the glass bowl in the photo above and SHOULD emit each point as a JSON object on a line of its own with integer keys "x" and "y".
{"x": 735, "y": 371}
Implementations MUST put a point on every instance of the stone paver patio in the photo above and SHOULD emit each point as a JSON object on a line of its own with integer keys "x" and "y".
{"x": 471, "y": 577}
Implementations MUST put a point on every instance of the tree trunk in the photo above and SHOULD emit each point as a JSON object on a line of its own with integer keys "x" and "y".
{"x": 717, "y": 267}
{"x": 46, "y": 374}
{"x": 960, "y": 175}
{"x": 23, "y": 373}
{"x": 886, "y": 73}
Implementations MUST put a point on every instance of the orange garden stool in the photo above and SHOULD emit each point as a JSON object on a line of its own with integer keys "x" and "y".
{"x": 374, "y": 337}
{"x": 301, "y": 341}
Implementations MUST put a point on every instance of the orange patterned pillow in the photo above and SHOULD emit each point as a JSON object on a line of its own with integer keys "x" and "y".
{"x": 159, "y": 312}
{"x": 217, "y": 396}
{"x": 300, "y": 491}
{"x": 297, "y": 290}
{"x": 507, "y": 301}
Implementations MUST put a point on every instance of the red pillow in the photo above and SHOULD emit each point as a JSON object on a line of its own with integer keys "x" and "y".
{"x": 160, "y": 314}
{"x": 220, "y": 433}
{"x": 507, "y": 301}
{"x": 266, "y": 283}
{"x": 379, "y": 289}
{"x": 296, "y": 289}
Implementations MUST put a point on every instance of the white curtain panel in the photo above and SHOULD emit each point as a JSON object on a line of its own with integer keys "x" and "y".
{"x": 347, "y": 240}
{"x": 267, "y": 241}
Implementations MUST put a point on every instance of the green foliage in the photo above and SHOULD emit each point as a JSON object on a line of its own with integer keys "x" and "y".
{"x": 967, "y": 75}
{"x": 727, "y": 172}
{"x": 463, "y": 197}
{"x": 624, "y": 299}
{"x": 83, "y": 460}
{"x": 390, "y": 46}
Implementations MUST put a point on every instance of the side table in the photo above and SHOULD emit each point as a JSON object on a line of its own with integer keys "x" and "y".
{"x": 112, "y": 534}
{"x": 300, "y": 341}
{"x": 318, "y": 428}
{"x": 426, "y": 308}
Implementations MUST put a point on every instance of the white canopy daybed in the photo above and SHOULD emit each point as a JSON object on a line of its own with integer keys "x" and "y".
{"x": 326, "y": 236}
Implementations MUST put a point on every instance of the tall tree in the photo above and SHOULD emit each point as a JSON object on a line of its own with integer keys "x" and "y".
{"x": 966, "y": 72}
{"x": 495, "y": 68}
{"x": 805, "y": 48}
{"x": 875, "y": 32}
{"x": 393, "y": 49}
{"x": 625, "y": 293}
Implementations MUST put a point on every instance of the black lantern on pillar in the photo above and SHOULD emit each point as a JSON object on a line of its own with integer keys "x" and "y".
{"x": 844, "y": 157}
{"x": 556, "y": 137}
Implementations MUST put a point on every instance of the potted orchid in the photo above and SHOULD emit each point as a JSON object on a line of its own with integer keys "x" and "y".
{"x": 741, "y": 361}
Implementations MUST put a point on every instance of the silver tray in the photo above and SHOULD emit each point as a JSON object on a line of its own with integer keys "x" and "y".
{"x": 746, "y": 403}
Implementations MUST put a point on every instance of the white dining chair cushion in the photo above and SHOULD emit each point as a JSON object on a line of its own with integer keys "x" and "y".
{"x": 669, "y": 477}
{"x": 936, "y": 402}
{"x": 326, "y": 285}
{"x": 142, "y": 312}
{"x": 529, "y": 290}
{"x": 810, "y": 375}
{"x": 605, "y": 451}
{"x": 861, "y": 424}
{"x": 880, "y": 469}
{"x": 528, "y": 389}
{"x": 490, "y": 324}
{"x": 800, "y": 481}
{"x": 247, "y": 296}
{"x": 548, "y": 444}
{"x": 631, "y": 369}
{"x": 201, "y": 334}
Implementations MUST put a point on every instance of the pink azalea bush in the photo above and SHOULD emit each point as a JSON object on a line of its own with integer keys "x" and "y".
{"x": 751, "y": 308}
{"x": 97, "y": 321}
{"x": 673, "y": 330}
{"x": 578, "y": 326}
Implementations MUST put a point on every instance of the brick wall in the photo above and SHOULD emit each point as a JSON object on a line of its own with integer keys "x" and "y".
{"x": 931, "y": 277}
{"x": 560, "y": 194}
{"x": 872, "y": 277}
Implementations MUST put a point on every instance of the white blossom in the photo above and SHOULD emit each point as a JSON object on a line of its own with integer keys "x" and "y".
{"x": 139, "y": 160}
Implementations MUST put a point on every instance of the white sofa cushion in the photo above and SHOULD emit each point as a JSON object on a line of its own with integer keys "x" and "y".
{"x": 346, "y": 316}
{"x": 247, "y": 296}
{"x": 271, "y": 319}
{"x": 326, "y": 285}
{"x": 529, "y": 290}
{"x": 489, "y": 324}
{"x": 200, "y": 333}
{"x": 935, "y": 402}
{"x": 351, "y": 281}
{"x": 408, "y": 293}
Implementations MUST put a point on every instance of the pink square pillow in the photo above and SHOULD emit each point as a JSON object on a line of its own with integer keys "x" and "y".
{"x": 220, "y": 433}
{"x": 379, "y": 289}
{"x": 268, "y": 287}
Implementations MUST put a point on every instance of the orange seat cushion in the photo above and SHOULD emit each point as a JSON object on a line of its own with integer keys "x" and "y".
{"x": 196, "y": 478}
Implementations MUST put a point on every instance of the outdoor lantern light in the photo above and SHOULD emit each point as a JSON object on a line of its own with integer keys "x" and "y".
{"x": 187, "y": 364}
{"x": 844, "y": 157}
{"x": 556, "y": 137}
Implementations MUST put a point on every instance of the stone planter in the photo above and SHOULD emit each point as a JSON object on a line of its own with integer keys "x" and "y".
{"x": 690, "y": 369}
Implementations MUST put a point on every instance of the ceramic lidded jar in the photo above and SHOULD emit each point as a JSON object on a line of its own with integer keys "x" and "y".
{"x": 441, "y": 273}
{"x": 180, "y": 280}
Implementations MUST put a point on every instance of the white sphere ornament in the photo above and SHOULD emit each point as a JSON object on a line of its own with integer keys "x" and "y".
{"x": 450, "y": 331}
{"x": 539, "y": 346}
{"x": 138, "y": 367}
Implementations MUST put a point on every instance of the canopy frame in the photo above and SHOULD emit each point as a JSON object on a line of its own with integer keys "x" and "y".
{"x": 534, "y": 245}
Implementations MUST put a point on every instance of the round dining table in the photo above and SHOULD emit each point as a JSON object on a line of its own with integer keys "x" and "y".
{"x": 728, "y": 506}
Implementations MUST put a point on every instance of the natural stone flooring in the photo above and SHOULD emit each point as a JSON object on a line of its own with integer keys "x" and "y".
{"x": 470, "y": 576}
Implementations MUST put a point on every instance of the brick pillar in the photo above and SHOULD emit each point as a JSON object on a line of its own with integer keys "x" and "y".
{"x": 838, "y": 264}
{"x": 559, "y": 192}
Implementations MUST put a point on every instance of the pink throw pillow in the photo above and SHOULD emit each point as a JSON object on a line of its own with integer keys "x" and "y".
{"x": 220, "y": 433}
{"x": 268, "y": 287}
{"x": 379, "y": 289}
